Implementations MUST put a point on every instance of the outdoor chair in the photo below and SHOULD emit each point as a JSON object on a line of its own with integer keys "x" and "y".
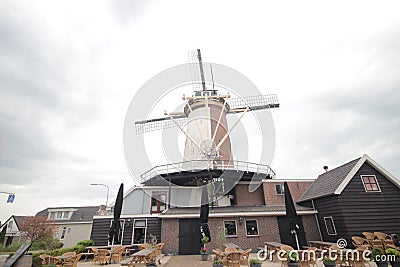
{"x": 360, "y": 262}
{"x": 369, "y": 236}
{"x": 116, "y": 253}
{"x": 73, "y": 262}
{"x": 387, "y": 240}
{"x": 286, "y": 248}
{"x": 244, "y": 258}
{"x": 341, "y": 262}
{"x": 231, "y": 249}
{"x": 144, "y": 246}
{"x": 377, "y": 243}
{"x": 49, "y": 260}
{"x": 159, "y": 248}
{"x": 219, "y": 255}
{"x": 311, "y": 257}
{"x": 358, "y": 241}
{"x": 95, "y": 255}
{"x": 233, "y": 259}
{"x": 103, "y": 256}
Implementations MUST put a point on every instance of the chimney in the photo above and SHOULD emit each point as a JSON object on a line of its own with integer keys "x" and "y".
{"x": 326, "y": 168}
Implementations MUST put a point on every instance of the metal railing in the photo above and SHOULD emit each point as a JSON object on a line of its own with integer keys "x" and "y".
{"x": 199, "y": 165}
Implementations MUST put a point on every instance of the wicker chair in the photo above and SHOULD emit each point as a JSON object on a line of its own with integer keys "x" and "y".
{"x": 360, "y": 242}
{"x": 285, "y": 248}
{"x": 103, "y": 256}
{"x": 369, "y": 236}
{"x": 95, "y": 255}
{"x": 244, "y": 259}
{"x": 233, "y": 259}
{"x": 219, "y": 255}
{"x": 159, "y": 248}
{"x": 387, "y": 240}
{"x": 116, "y": 253}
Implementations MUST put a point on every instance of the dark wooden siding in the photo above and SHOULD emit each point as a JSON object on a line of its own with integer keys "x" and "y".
{"x": 101, "y": 227}
{"x": 370, "y": 211}
{"x": 355, "y": 211}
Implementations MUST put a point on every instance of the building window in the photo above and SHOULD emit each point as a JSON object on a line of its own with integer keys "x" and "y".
{"x": 251, "y": 228}
{"x": 69, "y": 230}
{"x": 230, "y": 228}
{"x": 10, "y": 224}
{"x": 158, "y": 202}
{"x": 370, "y": 183}
{"x": 330, "y": 226}
{"x": 63, "y": 232}
{"x": 120, "y": 232}
{"x": 139, "y": 231}
{"x": 279, "y": 189}
{"x": 59, "y": 215}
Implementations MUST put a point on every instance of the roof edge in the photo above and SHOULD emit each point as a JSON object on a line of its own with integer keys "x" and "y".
{"x": 363, "y": 159}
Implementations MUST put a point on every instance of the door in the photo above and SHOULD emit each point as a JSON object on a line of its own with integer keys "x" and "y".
{"x": 189, "y": 236}
{"x": 286, "y": 237}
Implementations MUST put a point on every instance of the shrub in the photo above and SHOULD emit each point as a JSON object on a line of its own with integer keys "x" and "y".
{"x": 376, "y": 252}
{"x": 86, "y": 243}
{"x": 10, "y": 248}
{"x": 36, "y": 261}
{"x": 254, "y": 261}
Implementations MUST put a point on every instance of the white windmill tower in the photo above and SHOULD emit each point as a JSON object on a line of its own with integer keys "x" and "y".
{"x": 204, "y": 122}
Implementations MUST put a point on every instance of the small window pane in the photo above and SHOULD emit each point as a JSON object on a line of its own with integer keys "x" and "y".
{"x": 251, "y": 227}
{"x": 140, "y": 223}
{"x": 370, "y": 183}
{"x": 330, "y": 227}
{"x": 230, "y": 228}
{"x": 279, "y": 189}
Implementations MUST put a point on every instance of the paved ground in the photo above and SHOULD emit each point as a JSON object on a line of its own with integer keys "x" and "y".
{"x": 191, "y": 261}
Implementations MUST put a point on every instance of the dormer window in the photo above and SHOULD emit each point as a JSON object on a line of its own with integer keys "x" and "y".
{"x": 370, "y": 183}
{"x": 60, "y": 214}
{"x": 158, "y": 202}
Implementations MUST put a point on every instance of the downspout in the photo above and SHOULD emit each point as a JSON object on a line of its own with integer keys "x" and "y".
{"x": 316, "y": 218}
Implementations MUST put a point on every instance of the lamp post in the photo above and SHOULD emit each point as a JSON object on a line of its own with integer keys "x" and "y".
{"x": 108, "y": 190}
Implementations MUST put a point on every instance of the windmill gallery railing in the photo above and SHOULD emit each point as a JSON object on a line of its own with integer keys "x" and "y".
{"x": 199, "y": 165}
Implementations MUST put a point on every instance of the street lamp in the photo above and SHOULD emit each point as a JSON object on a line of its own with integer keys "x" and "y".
{"x": 108, "y": 190}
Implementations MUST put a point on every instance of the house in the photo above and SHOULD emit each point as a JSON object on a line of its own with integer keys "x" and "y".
{"x": 358, "y": 196}
{"x": 73, "y": 223}
{"x": 244, "y": 218}
{"x": 13, "y": 234}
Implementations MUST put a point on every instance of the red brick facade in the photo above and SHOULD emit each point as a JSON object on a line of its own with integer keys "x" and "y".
{"x": 245, "y": 198}
{"x": 296, "y": 189}
{"x": 268, "y": 230}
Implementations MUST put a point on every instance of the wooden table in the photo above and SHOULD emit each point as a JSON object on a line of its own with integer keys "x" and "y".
{"x": 64, "y": 258}
{"x": 143, "y": 256}
{"x": 321, "y": 244}
{"x": 274, "y": 245}
{"x": 230, "y": 245}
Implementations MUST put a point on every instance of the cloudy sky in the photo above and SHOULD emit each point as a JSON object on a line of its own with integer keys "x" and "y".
{"x": 69, "y": 69}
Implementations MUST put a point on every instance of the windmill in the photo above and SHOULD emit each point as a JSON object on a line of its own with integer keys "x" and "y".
{"x": 204, "y": 120}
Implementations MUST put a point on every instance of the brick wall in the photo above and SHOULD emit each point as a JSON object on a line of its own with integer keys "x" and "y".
{"x": 170, "y": 235}
{"x": 245, "y": 198}
{"x": 296, "y": 190}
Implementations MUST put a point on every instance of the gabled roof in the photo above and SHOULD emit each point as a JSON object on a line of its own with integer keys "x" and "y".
{"x": 336, "y": 180}
{"x": 18, "y": 219}
{"x": 80, "y": 214}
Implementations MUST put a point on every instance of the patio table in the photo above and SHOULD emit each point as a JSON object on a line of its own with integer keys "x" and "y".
{"x": 143, "y": 256}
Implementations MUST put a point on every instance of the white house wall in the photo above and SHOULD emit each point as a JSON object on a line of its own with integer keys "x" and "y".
{"x": 77, "y": 232}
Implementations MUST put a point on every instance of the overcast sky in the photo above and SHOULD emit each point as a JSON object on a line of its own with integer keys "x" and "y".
{"x": 69, "y": 69}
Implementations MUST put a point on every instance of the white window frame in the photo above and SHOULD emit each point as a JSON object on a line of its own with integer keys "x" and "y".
{"x": 376, "y": 180}
{"x": 133, "y": 230}
{"x": 282, "y": 189}
{"x": 245, "y": 228}
{"x": 235, "y": 228}
{"x": 122, "y": 235}
{"x": 333, "y": 225}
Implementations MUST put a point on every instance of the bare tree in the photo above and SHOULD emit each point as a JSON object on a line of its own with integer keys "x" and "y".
{"x": 38, "y": 228}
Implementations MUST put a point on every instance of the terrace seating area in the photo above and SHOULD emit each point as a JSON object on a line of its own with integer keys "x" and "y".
{"x": 376, "y": 240}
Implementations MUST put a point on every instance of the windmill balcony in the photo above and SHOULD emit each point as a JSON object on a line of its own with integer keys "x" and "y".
{"x": 200, "y": 165}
